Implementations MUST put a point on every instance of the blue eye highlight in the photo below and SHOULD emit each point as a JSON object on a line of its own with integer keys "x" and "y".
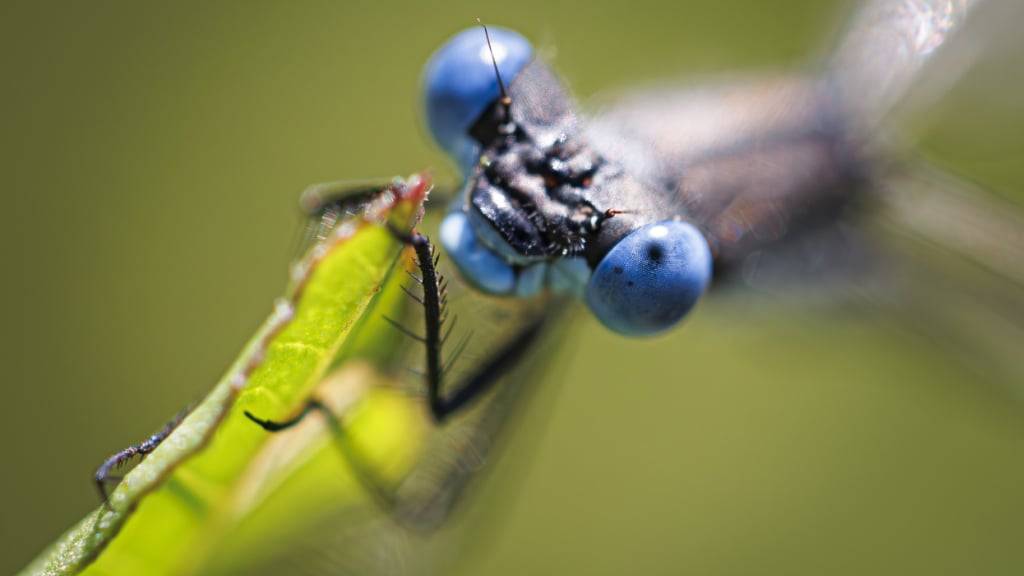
{"x": 650, "y": 279}
{"x": 459, "y": 83}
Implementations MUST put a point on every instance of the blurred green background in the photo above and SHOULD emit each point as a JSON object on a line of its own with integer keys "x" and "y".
{"x": 154, "y": 154}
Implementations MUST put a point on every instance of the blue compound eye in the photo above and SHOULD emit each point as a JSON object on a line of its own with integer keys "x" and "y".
{"x": 459, "y": 82}
{"x": 650, "y": 279}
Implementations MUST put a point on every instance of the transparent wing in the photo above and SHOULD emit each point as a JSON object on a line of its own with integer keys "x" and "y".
{"x": 885, "y": 49}
{"x": 888, "y": 48}
{"x": 956, "y": 266}
{"x": 938, "y": 255}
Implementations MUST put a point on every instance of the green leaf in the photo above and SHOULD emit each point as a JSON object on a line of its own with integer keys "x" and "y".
{"x": 216, "y": 469}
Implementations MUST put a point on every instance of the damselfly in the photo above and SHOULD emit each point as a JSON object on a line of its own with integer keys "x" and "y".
{"x": 639, "y": 209}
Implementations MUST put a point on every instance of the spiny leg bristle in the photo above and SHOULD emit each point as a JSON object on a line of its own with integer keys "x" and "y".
{"x": 412, "y": 295}
{"x": 457, "y": 352}
{"x": 398, "y": 326}
{"x": 448, "y": 331}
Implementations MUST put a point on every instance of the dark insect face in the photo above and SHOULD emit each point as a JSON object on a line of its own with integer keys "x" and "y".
{"x": 535, "y": 195}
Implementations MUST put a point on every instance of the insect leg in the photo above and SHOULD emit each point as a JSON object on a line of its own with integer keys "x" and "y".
{"x": 363, "y": 470}
{"x": 441, "y": 405}
{"x": 271, "y": 426}
{"x": 104, "y": 476}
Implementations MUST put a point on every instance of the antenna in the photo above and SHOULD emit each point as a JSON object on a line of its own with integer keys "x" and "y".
{"x": 506, "y": 101}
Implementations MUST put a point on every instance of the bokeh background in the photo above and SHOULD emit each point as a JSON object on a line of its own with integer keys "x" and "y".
{"x": 153, "y": 154}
